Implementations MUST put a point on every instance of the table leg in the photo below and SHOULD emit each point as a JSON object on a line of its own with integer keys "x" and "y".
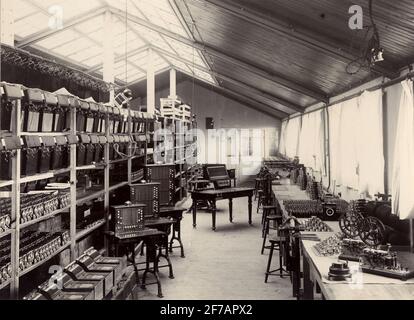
{"x": 134, "y": 263}
{"x": 177, "y": 228}
{"x": 296, "y": 268}
{"x": 194, "y": 213}
{"x": 250, "y": 209}
{"x": 213, "y": 213}
{"x": 307, "y": 282}
{"x": 231, "y": 210}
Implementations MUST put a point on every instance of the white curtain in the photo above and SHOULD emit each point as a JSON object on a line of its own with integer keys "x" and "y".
{"x": 356, "y": 143}
{"x": 370, "y": 151}
{"x": 311, "y": 142}
{"x": 334, "y": 114}
{"x": 282, "y": 142}
{"x": 292, "y": 137}
{"x": 348, "y": 136}
{"x": 403, "y": 170}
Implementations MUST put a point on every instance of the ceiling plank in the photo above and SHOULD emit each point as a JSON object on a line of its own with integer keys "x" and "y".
{"x": 225, "y": 57}
{"x": 269, "y": 97}
{"x": 186, "y": 27}
{"x": 304, "y": 36}
{"x": 41, "y": 35}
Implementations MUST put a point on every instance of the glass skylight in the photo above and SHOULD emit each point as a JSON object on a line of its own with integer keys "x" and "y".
{"x": 82, "y": 42}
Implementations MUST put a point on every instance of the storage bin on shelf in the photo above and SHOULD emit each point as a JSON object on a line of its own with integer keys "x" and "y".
{"x": 8, "y": 147}
{"x": 45, "y": 154}
{"x": 48, "y": 112}
{"x": 32, "y": 105}
{"x": 30, "y": 155}
{"x": 10, "y": 94}
{"x": 62, "y": 112}
{"x": 92, "y": 118}
{"x": 82, "y": 111}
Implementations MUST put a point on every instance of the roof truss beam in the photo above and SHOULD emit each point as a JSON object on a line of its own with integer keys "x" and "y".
{"x": 119, "y": 58}
{"x": 41, "y": 35}
{"x": 305, "y": 37}
{"x": 225, "y": 57}
{"x": 186, "y": 27}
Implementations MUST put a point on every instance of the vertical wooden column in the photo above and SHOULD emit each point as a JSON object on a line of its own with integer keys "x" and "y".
{"x": 108, "y": 54}
{"x": 106, "y": 184}
{"x": 15, "y": 215}
{"x": 7, "y": 22}
{"x": 173, "y": 84}
{"x": 109, "y": 77}
{"x": 150, "y": 82}
{"x": 73, "y": 196}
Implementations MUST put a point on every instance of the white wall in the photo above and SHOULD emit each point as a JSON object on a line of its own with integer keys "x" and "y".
{"x": 227, "y": 113}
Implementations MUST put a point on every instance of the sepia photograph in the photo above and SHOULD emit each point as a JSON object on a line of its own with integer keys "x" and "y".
{"x": 206, "y": 155}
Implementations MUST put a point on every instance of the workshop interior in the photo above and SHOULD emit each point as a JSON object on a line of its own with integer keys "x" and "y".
{"x": 206, "y": 150}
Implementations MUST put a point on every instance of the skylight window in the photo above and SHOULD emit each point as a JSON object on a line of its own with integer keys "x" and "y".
{"x": 82, "y": 42}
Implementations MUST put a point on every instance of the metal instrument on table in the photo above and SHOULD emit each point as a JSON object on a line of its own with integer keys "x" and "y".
{"x": 351, "y": 249}
{"x": 339, "y": 271}
{"x": 129, "y": 219}
{"x": 356, "y": 223}
{"x": 386, "y": 263}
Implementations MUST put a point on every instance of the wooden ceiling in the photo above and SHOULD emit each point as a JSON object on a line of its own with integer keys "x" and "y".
{"x": 290, "y": 54}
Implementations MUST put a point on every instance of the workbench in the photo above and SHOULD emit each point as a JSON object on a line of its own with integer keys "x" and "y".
{"x": 315, "y": 268}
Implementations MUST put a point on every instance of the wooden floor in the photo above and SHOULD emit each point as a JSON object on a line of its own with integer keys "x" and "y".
{"x": 225, "y": 264}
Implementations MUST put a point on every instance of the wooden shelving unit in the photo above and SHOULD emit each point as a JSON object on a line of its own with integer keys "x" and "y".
{"x": 179, "y": 136}
{"x": 76, "y": 235}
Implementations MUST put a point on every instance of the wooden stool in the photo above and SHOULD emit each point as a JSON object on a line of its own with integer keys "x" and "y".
{"x": 268, "y": 210}
{"x": 276, "y": 243}
{"x": 277, "y": 219}
{"x": 260, "y": 201}
{"x": 258, "y": 185}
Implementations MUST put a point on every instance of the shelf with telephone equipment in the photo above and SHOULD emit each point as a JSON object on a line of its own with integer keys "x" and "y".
{"x": 70, "y": 147}
{"x": 57, "y": 251}
{"x": 45, "y": 217}
{"x": 89, "y": 229}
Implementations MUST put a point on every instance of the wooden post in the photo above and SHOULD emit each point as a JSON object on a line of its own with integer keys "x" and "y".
{"x": 15, "y": 215}
{"x": 7, "y": 22}
{"x": 108, "y": 54}
{"x": 412, "y": 235}
{"x": 109, "y": 77}
{"x": 173, "y": 84}
{"x": 150, "y": 82}
{"x": 73, "y": 199}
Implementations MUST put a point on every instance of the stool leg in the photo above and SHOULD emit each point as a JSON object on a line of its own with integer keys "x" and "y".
{"x": 269, "y": 262}
{"x": 265, "y": 236}
{"x": 281, "y": 260}
{"x": 256, "y": 188}
{"x": 265, "y": 226}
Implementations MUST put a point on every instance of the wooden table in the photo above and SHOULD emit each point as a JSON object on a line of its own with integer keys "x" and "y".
{"x": 176, "y": 214}
{"x": 312, "y": 278}
{"x": 163, "y": 225}
{"x": 149, "y": 237}
{"x": 214, "y": 195}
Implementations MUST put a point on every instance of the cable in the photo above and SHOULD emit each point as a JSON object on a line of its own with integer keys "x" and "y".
{"x": 371, "y": 52}
{"x": 126, "y": 41}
